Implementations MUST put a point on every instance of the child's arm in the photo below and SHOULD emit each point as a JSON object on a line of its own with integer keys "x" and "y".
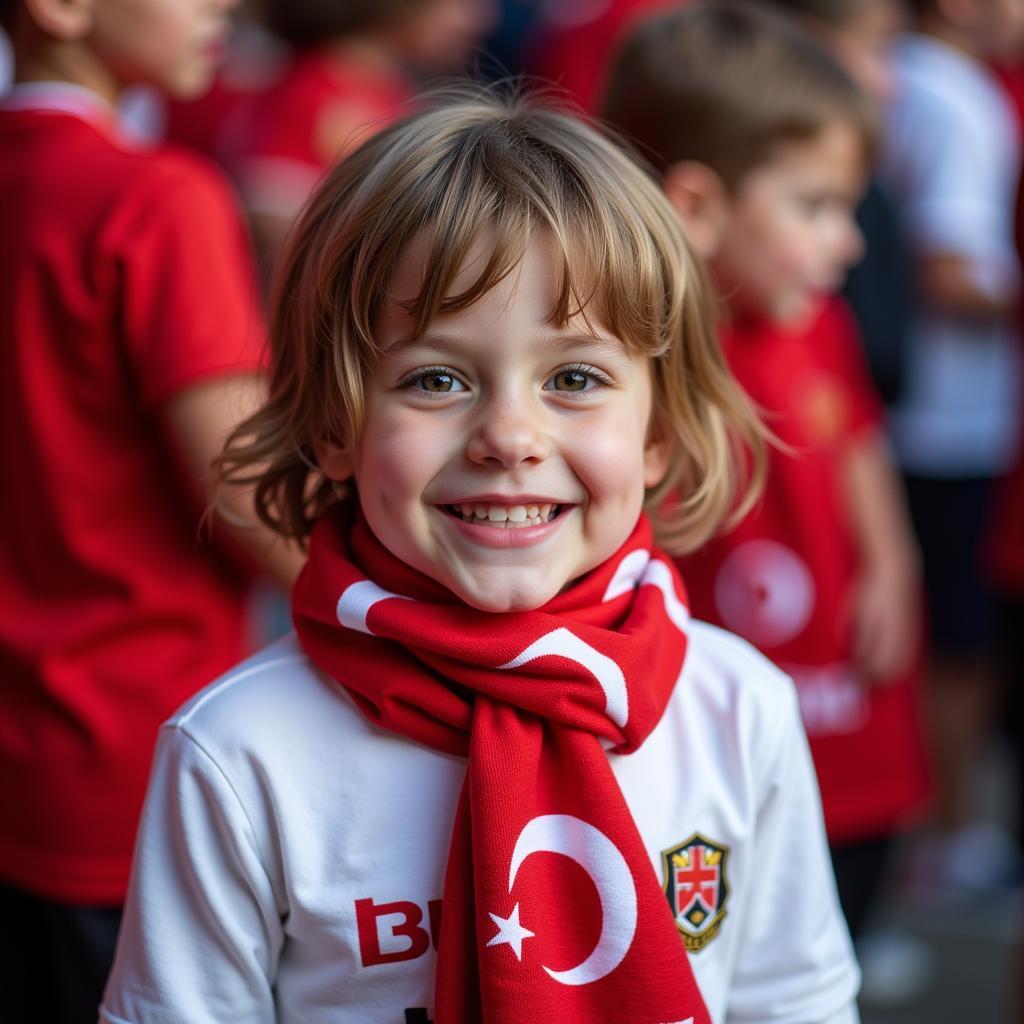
{"x": 199, "y": 419}
{"x": 202, "y": 927}
{"x": 795, "y": 962}
{"x": 193, "y": 334}
{"x": 886, "y": 614}
{"x": 949, "y": 282}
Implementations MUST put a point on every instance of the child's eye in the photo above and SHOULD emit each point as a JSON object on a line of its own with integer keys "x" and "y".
{"x": 813, "y": 205}
{"x": 436, "y": 380}
{"x": 577, "y": 379}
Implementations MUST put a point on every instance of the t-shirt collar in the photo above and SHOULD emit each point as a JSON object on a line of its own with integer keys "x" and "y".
{"x": 59, "y": 98}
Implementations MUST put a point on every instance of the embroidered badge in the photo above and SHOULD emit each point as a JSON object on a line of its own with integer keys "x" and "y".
{"x": 696, "y": 886}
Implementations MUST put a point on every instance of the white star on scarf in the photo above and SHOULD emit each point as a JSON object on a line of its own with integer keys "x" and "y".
{"x": 510, "y": 932}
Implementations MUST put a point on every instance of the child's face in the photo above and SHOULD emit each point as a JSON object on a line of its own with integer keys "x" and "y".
{"x": 172, "y": 44}
{"x": 496, "y": 414}
{"x": 789, "y": 233}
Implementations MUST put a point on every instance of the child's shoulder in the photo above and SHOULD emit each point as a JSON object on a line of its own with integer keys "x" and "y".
{"x": 170, "y": 174}
{"x": 279, "y": 730}
{"x": 731, "y": 681}
{"x": 276, "y": 690}
{"x": 937, "y": 81}
{"x": 86, "y": 168}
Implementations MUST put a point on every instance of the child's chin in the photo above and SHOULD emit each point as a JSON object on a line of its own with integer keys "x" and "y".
{"x": 500, "y": 597}
{"x": 796, "y": 310}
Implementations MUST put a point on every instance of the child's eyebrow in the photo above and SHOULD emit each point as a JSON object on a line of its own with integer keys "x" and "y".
{"x": 453, "y": 343}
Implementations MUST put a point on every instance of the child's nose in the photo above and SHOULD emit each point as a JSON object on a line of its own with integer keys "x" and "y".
{"x": 850, "y": 243}
{"x": 506, "y": 435}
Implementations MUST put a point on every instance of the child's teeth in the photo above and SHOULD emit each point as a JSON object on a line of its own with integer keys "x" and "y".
{"x": 505, "y": 516}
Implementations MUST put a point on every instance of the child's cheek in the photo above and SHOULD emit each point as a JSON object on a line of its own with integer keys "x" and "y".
{"x": 608, "y": 457}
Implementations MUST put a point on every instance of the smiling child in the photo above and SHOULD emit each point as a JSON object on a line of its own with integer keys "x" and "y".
{"x": 499, "y": 774}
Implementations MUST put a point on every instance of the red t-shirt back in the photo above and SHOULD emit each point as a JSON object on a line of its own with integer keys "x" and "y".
{"x": 784, "y": 577}
{"x": 124, "y": 279}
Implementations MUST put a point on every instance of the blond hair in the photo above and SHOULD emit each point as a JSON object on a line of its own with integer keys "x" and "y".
{"x": 500, "y": 169}
{"x": 726, "y": 84}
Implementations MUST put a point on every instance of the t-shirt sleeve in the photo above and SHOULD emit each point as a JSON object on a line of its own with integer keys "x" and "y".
{"x": 201, "y": 932}
{"x": 949, "y": 163}
{"x": 795, "y": 962}
{"x": 190, "y": 305}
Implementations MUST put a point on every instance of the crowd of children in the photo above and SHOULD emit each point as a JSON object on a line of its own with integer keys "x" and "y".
{"x": 565, "y": 436}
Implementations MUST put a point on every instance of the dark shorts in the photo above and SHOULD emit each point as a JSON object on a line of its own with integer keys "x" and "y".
{"x": 54, "y": 959}
{"x": 949, "y": 517}
{"x": 860, "y": 871}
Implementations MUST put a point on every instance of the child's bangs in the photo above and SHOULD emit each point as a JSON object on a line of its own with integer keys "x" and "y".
{"x": 486, "y": 212}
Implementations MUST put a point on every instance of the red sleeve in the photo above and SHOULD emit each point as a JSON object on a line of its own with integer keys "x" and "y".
{"x": 843, "y": 352}
{"x": 190, "y": 292}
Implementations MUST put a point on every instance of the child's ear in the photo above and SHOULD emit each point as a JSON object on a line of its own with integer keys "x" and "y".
{"x": 334, "y": 460}
{"x": 64, "y": 20}
{"x": 657, "y": 457}
{"x": 701, "y": 199}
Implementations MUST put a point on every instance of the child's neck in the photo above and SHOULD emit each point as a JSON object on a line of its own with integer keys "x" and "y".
{"x": 71, "y": 63}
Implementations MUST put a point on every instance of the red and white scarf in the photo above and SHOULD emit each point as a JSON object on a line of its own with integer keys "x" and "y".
{"x": 552, "y": 912}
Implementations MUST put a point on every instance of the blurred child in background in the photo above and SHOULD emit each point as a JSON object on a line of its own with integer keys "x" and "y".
{"x": 764, "y": 145}
{"x": 131, "y": 347}
{"x": 952, "y": 162}
{"x": 354, "y": 69}
{"x": 879, "y": 287}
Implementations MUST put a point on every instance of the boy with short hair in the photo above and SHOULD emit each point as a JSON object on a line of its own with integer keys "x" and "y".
{"x": 353, "y": 70}
{"x": 131, "y": 346}
{"x": 763, "y": 143}
{"x": 880, "y": 286}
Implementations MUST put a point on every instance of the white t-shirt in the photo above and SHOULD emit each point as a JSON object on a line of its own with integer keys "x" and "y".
{"x": 952, "y": 164}
{"x": 291, "y": 858}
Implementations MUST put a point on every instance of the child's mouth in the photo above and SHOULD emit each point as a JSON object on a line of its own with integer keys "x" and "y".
{"x": 506, "y": 517}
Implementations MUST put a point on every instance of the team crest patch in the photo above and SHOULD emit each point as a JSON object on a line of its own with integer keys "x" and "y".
{"x": 696, "y": 886}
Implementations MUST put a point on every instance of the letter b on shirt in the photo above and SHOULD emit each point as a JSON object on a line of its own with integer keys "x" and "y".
{"x": 390, "y": 932}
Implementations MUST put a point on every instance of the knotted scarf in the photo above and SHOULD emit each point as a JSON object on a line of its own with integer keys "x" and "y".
{"x": 552, "y": 911}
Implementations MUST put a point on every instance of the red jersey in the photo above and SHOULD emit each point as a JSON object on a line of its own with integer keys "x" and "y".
{"x": 577, "y": 52}
{"x": 124, "y": 279}
{"x": 321, "y": 107}
{"x": 784, "y": 578}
